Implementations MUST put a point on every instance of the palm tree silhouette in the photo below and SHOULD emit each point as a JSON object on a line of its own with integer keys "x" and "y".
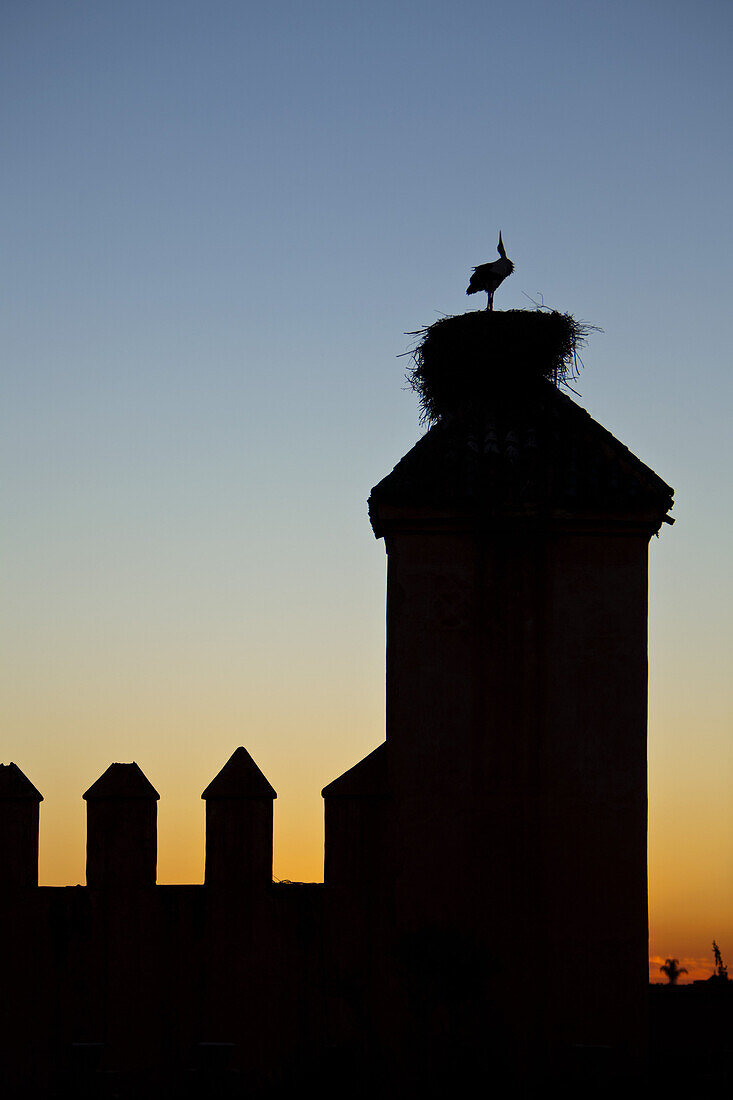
{"x": 673, "y": 970}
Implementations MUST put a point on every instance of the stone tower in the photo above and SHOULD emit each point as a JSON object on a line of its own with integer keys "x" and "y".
{"x": 517, "y": 534}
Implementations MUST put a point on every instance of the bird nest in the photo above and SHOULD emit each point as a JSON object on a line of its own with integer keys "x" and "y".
{"x": 468, "y": 359}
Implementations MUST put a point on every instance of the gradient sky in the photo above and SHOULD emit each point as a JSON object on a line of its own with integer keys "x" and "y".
{"x": 219, "y": 220}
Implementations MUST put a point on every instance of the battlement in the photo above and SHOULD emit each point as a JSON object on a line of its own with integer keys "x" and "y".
{"x": 122, "y": 826}
{"x": 132, "y": 975}
{"x": 122, "y": 836}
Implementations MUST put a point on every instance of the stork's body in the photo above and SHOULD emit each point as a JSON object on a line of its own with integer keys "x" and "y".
{"x": 489, "y": 276}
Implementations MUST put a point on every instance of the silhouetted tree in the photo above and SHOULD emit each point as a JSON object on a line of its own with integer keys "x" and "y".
{"x": 721, "y": 970}
{"x": 673, "y": 970}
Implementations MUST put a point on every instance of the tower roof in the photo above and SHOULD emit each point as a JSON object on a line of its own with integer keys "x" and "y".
{"x": 239, "y": 778}
{"x": 539, "y": 456}
{"x": 122, "y": 781}
{"x": 15, "y": 786}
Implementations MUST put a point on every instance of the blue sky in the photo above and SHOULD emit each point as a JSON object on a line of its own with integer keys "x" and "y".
{"x": 219, "y": 221}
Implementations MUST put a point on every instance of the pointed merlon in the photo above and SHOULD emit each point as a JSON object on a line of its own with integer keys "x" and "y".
{"x": 19, "y": 817}
{"x": 239, "y": 778}
{"x": 15, "y": 786}
{"x": 367, "y": 779}
{"x": 357, "y": 816}
{"x": 122, "y": 781}
{"x": 122, "y": 838}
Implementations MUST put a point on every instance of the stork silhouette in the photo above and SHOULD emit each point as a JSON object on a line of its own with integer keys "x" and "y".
{"x": 489, "y": 276}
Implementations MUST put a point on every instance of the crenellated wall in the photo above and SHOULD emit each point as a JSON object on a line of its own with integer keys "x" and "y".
{"x": 140, "y": 984}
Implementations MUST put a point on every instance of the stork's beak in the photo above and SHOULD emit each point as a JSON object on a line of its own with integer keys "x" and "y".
{"x": 500, "y": 247}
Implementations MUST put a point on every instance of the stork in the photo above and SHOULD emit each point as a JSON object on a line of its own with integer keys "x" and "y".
{"x": 489, "y": 276}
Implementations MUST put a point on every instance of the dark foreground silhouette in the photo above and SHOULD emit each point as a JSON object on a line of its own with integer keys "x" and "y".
{"x": 502, "y": 821}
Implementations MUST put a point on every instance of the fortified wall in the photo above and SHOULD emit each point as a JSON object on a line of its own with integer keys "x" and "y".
{"x": 484, "y": 909}
{"x": 137, "y": 986}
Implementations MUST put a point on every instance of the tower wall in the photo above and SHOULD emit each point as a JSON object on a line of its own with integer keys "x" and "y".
{"x": 516, "y": 732}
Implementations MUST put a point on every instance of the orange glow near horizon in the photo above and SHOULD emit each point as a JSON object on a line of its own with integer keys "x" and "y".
{"x": 697, "y": 969}
{"x": 690, "y": 887}
{"x": 308, "y": 703}
{"x": 690, "y": 899}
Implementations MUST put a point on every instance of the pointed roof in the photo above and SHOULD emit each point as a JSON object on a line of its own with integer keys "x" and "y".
{"x": 15, "y": 786}
{"x": 239, "y": 778}
{"x": 122, "y": 781}
{"x": 537, "y": 455}
{"x": 367, "y": 779}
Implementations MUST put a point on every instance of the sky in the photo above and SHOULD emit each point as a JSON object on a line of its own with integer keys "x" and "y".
{"x": 219, "y": 221}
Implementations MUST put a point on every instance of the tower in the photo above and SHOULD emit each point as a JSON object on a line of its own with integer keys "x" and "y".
{"x": 517, "y": 533}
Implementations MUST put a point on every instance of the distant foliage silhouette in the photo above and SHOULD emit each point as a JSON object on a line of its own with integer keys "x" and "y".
{"x": 673, "y": 970}
{"x": 721, "y": 970}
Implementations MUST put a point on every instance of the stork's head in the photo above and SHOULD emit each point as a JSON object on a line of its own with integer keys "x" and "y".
{"x": 500, "y": 247}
